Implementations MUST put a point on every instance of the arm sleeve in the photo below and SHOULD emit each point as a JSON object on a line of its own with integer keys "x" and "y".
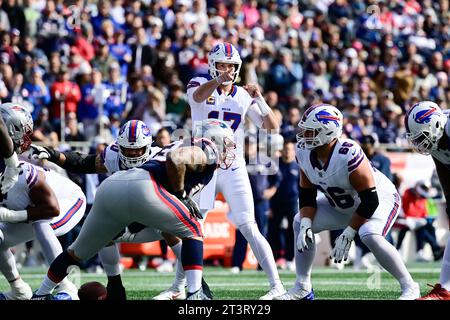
{"x": 255, "y": 115}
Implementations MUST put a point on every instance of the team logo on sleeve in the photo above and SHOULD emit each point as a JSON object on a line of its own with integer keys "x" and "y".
{"x": 325, "y": 117}
{"x": 424, "y": 116}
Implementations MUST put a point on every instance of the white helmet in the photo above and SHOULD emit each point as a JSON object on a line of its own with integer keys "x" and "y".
{"x": 425, "y": 125}
{"x": 225, "y": 53}
{"x": 320, "y": 124}
{"x": 134, "y": 135}
{"x": 222, "y": 136}
{"x": 19, "y": 124}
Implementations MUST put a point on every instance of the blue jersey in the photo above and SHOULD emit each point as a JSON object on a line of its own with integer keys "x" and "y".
{"x": 193, "y": 181}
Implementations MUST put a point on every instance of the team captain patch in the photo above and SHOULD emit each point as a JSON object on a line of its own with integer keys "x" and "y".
{"x": 211, "y": 100}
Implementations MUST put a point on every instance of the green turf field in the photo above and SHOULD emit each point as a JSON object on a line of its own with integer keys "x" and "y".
{"x": 328, "y": 283}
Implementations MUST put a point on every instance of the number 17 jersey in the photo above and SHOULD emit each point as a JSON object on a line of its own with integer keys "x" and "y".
{"x": 333, "y": 177}
{"x": 230, "y": 107}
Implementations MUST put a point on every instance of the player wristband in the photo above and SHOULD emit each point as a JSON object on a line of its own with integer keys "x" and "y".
{"x": 7, "y": 215}
{"x": 263, "y": 106}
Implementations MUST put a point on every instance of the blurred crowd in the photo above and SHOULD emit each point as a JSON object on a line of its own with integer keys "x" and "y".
{"x": 103, "y": 62}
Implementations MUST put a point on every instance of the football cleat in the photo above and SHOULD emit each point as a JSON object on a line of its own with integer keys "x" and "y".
{"x": 23, "y": 293}
{"x": 437, "y": 293}
{"x": 43, "y": 297}
{"x": 274, "y": 292}
{"x": 411, "y": 293}
{"x": 297, "y": 294}
{"x": 115, "y": 293}
{"x": 206, "y": 290}
{"x": 172, "y": 293}
{"x": 197, "y": 295}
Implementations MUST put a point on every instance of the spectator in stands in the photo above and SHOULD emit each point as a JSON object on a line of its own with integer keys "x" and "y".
{"x": 43, "y": 130}
{"x": 93, "y": 95}
{"x": 162, "y": 137}
{"x": 65, "y": 94}
{"x": 103, "y": 59}
{"x": 73, "y": 132}
{"x": 141, "y": 52}
{"x": 379, "y": 161}
{"x": 118, "y": 91}
{"x": 414, "y": 203}
{"x": 36, "y": 91}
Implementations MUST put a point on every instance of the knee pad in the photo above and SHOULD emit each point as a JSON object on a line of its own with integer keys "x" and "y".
{"x": 249, "y": 229}
{"x": 366, "y": 230}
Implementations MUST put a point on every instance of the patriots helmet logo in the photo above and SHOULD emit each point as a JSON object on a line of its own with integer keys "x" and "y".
{"x": 424, "y": 116}
{"x": 325, "y": 117}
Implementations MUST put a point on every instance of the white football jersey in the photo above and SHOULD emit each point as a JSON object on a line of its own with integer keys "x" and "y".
{"x": 111, "y": 160}
{"x": 443, "y": 155}
{"x": 232, "y": 108}
{"x": 332, "y": 179}
{"x": 18, "y": 197}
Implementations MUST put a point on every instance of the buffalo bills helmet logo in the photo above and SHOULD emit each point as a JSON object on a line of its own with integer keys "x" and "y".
{"x": 122, "y": 129}
{"x": 325, "y": 117}
{"x": 216, "y": 48}
{"x": 145, "y": 130}
{"x": 424, "y": 116}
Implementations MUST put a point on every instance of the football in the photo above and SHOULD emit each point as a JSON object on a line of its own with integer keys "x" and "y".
{"x": 92, "y": 291}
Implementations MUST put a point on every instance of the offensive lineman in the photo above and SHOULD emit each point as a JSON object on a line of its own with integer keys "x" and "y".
{"x": 428, "y": 130}
{"x": 157, "y": 195}
{"x": 41, "y": 204}
{"x": 358, "y": 198}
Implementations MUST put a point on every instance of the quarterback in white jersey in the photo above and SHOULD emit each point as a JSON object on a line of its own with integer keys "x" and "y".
{"x": 218, "y": 97}
{"x": 428, "y": 130}
{"x": 40, "y": 205}
{"x": 358, "y": 198}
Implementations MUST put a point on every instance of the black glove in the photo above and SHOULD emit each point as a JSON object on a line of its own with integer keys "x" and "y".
{"x": 191, "y": 205}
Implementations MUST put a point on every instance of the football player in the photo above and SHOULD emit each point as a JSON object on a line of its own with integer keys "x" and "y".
{"x": 218, "y": 97}
{"x": 133, "y": 148}
{"x": 41, "y": 204}
{"x": 428, "y": 130}
{"x": 358, "y": 198}
{"x": 157, "y": 194}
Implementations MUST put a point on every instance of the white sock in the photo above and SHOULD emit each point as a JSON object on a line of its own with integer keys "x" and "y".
{"x": 194, "y": 280}
{"x": 262, "y": 251}
{"x": 303, "y": 261}
{"x": 180, "y": 277}
{"x": 46, "y": 287}
{"x": 389, "y": 258}
{"x": 110, "y": 258}
{"x": 8, "y": 265}
{"x": 51, "y": 247}
{"x": 445, "y": 268}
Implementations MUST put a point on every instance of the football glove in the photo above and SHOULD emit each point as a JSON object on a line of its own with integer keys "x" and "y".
{"x": 11, "y": 174}
{"x": 342, "y": 245}
{"x": 190, "y": 205}
{"x": 305, "y": 235}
